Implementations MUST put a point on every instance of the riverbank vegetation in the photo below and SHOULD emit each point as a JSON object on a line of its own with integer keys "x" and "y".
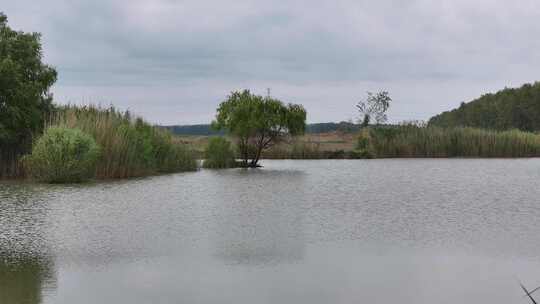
{"x": 407, "y": 140}
{"x": 91, "y": 142}
{"x": 63, "y": 155}
{"x": 86, "y": 142}
{"x": 69, "y": 143}
{"x": 130, "y": 147}
{"x": 417, "y": 141}
{"x": 219, "y": 154}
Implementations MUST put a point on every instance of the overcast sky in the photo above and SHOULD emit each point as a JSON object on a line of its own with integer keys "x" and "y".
{"x": 174, "y": 61}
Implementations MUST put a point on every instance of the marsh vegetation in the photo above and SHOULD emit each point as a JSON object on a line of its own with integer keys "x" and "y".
{"x": 129, "y": 146}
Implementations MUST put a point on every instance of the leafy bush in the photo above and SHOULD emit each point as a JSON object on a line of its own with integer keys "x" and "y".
{"x": 219, "y": 154}
{"x": 364, "y": 147}
{"x": 63, "y": 155}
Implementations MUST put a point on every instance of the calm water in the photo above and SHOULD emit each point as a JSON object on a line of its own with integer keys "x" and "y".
{"x": 378, "y": 231}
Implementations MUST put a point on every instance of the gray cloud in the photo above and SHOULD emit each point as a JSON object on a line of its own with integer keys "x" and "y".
{"x": 174, "y": 61}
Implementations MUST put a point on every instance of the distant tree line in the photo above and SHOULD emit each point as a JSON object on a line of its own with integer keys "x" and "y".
{"x": 314, "y": 128}
{"x": 195, "y": 130}
{"x": 511, "y": 108}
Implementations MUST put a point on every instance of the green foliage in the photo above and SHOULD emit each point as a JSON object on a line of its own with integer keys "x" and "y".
{"x": 24, "y": 93}
{"x": 374, "y": 107}
{"x": 516, "y": 108}
{"x": 63, "y": 155}
{"x": 364, "y": 147}
{"x": 22, "y": 278}
{"x": 415, "y": 141}
{"x": 131, "y": 147}
{"x": 219, "y": 154}
{"x": 258, "y": 123}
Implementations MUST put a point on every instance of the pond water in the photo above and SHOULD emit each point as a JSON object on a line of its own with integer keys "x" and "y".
{"x": 337, "y": 231}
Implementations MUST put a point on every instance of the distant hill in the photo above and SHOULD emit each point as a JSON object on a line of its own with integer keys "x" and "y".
{"x": 206, "y": 130}
{"x": 511, "y": 108}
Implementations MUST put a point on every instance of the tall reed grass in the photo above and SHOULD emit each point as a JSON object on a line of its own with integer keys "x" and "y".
{"x": 298, "y": 149}
{"x": 219, "y": 154}
{"x": 418, "y": 141}
{"x": 415, "y": 141}
{"x": 130, "y": 147}
{"x": 305, "y": 149}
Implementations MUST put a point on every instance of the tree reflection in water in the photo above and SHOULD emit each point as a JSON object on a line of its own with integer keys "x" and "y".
{"x": 26, "y": 271}
{"x": 257, "y": 224}
{"x": 24, "y": 280}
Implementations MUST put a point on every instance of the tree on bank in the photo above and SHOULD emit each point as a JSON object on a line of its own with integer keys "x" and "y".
{"x": 258, "y": 123}
{"x": 374, "y": 107}
{"x": 24, "y": 90}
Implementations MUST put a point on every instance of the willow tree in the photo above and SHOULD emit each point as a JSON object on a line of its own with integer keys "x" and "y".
{"x": 257, "y": 123}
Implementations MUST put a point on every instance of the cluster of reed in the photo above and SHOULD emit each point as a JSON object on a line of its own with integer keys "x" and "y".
{"x": 298, "y": 149}
{"x": 219, "y": 154}
{"x": 307, "y": 149}
{"x": 129, "y": 146}
{"x": 415, "y": 141}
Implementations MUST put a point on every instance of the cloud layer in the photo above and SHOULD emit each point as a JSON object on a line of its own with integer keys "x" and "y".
{"x": 174, "y": 61}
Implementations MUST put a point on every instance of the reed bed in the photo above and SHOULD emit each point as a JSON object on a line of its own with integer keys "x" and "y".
{"x": 219, "y": 154}
{"x": 305, "y": 149}
{"x": 130, "y": 147}
{"x": 414, "y": 141}
{"x": 298, "y": 149}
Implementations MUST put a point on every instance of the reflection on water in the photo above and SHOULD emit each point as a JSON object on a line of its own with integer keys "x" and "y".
{"x": 23, "y": 214}
{"x": 261, "y": 222}
{"x": 26, "y": 272}
{"x": 23, "y": 280}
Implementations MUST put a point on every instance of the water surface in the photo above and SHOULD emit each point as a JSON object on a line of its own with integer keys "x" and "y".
{"x": 343, "y": 231}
